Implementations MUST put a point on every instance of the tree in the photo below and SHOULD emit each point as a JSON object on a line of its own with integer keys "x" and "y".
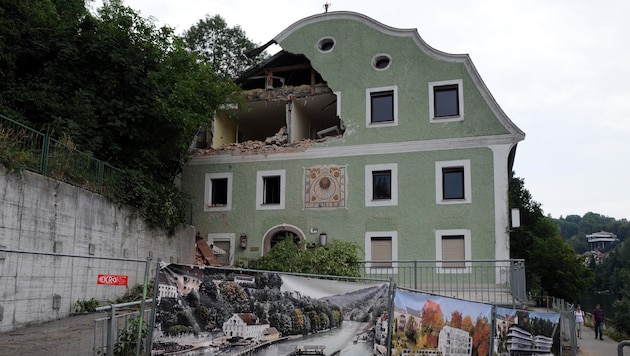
{"x": 562, "y": 273}
{"x": 621, "y": 307}
{"x": 117, "y": 86}
{"x": 223, "y": 47}
{"x": 537, "y": 241}
{"x": 481, "y": 336}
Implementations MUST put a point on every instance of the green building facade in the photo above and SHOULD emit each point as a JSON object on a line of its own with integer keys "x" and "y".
{"x": 360, "y": 132}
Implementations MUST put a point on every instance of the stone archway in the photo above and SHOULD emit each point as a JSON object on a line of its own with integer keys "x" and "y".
{"x": 278, "y": 233}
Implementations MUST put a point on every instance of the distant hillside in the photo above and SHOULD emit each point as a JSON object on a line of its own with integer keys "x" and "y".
{"x": 574, "y": 228}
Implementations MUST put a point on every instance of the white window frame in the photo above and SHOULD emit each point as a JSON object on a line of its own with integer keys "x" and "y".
{"x": 260, "y": 187}
{"x": 439, "y": 234}
{"x": 460, "y": 94}
{"x": 230, "y": 237}
{"x": 439, "y": 199}
{"x": 368, "y": 250}
{"x": 393, "y": 167}
{"x": 368, "y": 106}
{"x": 208, "y": 191}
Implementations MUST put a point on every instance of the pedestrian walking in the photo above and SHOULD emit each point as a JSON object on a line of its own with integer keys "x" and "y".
{"x": 598, "y": 321}
{"x": 579, "y": 320}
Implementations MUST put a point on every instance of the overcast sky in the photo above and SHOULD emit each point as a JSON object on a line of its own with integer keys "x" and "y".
{"x": 560, "y": 69}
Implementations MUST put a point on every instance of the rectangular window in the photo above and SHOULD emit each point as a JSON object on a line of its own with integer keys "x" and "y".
{"x": 381, "y": 251}
{"x": 381, "y": 185}
{"x": 218, "y": 194}
{"x": 381, "y": 106}
{"x": 270, "y": 190}
{"x": 446, "y": 101}
{"x": 453, "y": 250}
{"x": 271, "y": 187}
{"x": 453, "y": 183}
{"x": 219, "y": 191}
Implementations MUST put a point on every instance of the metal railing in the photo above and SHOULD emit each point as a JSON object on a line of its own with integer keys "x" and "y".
{"x": 22, "y": 147}
{"x": 499, "y": 282}
{"x": 122, "y": 331}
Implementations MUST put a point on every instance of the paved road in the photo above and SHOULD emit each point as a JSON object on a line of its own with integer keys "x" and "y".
{"x": 68, "y": 336}
{"x": 590, "y": 346}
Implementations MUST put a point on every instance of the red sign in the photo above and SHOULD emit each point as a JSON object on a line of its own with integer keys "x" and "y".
{"x": 112, "y": 279}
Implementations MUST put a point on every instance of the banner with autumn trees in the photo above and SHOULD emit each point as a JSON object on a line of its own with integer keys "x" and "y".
{"x": 430, "y": 322}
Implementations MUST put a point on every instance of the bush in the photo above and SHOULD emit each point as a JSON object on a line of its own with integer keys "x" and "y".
{"x": 86, "y": 306}
{"x": 337, "y": 258}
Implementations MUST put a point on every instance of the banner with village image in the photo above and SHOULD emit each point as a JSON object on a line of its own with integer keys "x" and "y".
{"x": 218, "y": 311}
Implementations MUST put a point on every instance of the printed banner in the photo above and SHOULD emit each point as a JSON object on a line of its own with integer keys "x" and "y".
{"x": 216, "y": 311}
{"x": 433, "y": 325}
{"x": 522, "y": 332}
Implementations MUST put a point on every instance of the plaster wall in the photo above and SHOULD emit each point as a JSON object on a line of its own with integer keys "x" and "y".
{"x": 56, "y": 238}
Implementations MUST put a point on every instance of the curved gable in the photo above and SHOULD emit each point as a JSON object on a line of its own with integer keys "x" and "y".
{"x": 411, "y": 34}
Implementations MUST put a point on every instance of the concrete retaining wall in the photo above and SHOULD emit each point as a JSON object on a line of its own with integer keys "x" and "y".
{"x": 76, "y": 235}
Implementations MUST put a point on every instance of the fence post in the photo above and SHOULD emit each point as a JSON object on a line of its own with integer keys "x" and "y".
{"x": 153, "y": 308}
{"x": 99, "y": 179}
{"x": 44, "y": 159}
{"x": 142, "y": 306}
{"x": 111, "y": 330}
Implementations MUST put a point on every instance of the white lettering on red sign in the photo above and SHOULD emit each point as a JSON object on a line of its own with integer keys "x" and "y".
{"x": 112, "y": 279}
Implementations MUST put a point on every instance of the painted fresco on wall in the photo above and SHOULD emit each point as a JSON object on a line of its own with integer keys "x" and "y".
{"x": 522, "y": 332}
{"x": 217, "y": 311}
{"x": 325, "y": 187}
{"x": 435, "y": 325}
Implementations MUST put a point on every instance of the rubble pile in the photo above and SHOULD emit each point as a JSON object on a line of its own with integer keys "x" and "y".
{"x": 258, "y": 148}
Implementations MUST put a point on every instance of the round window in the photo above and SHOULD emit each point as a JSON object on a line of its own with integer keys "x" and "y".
{"x": 326, "y": 44}
{"x": 381, "y": 61}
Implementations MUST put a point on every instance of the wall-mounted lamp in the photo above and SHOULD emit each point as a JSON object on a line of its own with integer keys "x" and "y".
{"x": 516, "y": 217}
{"x": 323, "y": 238}
{"x": 243, "y": 243}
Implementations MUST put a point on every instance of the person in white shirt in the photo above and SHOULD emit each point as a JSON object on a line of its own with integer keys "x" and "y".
{"x": 579, "y": 320}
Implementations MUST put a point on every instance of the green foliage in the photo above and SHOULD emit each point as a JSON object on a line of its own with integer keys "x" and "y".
{"x": 609, "y": 272}
{"x": 621, "y": 307}
{"x": 13, "y": 153}
{"x": 562, "y": 273}
{"x": 224, "y": 48}
{"x": 135, "y": 293}
{"x": 337, "y": 258}
{"x": 552, "y": 266}
{"x": 86, "y": 306}
{"x": 121, "y": 89}
{"x": 126, "y": 343}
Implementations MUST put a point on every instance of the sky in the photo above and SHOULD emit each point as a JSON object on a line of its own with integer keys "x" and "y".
{"x": 559, "y": 69}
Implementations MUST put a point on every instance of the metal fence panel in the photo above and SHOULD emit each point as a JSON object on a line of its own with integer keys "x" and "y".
{"x": 22, "y": 147}
{"x": 43, "y": 297}
{"x": 500, "y": 282}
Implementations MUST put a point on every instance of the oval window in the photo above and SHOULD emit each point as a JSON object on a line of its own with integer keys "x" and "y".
{"x": 381, "y": 61}
{"x": 326, "y": 44}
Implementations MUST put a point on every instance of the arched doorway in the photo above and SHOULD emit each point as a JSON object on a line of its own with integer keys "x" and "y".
{"x": 279, "y": 233}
